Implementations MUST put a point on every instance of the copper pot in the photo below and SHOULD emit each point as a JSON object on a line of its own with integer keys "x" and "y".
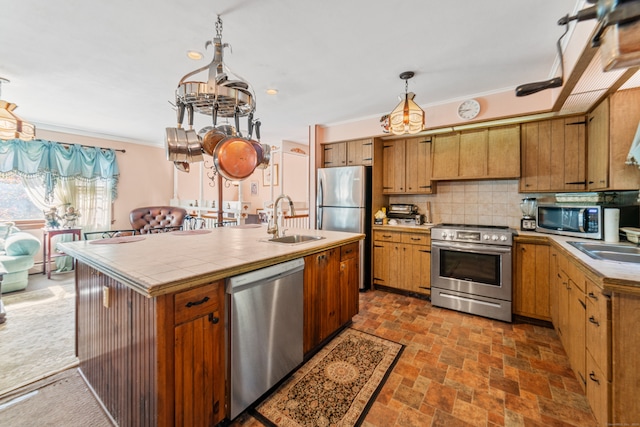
{"x": 235, "y": 158}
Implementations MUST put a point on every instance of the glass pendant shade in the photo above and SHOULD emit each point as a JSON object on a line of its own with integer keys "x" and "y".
{"x": 407, "y": 117}
{"x": 12, "y": 126}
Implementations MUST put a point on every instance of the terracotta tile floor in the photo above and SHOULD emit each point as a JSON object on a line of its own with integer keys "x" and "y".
{"x": 463, "y": 370}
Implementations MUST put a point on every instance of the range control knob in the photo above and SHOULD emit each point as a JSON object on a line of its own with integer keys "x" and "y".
{"x": 503, "y": 238}
{"x": 444, "y": 235}
{"x": 494, "y": 237}
{"x": 486, "y": 237}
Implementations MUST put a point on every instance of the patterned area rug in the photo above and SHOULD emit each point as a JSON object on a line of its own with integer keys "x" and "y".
{"x": 38, "y": 338}
{"x": 337, "y": 386}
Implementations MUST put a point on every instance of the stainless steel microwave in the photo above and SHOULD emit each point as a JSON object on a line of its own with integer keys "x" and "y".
{"x": 585, "y": 221}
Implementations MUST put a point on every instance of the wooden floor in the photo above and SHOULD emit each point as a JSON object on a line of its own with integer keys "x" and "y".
{"x": 463, "y": 370}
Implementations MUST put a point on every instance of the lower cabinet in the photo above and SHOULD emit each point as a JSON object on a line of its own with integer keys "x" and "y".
{"x": 402, "y": 260}
{"x": 331, "y": 292}
{"x": 199, "y": 368}
{"x": 531, "y": 280}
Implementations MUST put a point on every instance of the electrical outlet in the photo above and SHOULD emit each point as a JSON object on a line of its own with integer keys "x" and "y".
{"x": 105, "y": 297}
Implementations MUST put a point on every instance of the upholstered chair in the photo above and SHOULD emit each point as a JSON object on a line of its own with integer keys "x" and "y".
{"x": 157, "y": 219}
{"x": 17, "y": 251}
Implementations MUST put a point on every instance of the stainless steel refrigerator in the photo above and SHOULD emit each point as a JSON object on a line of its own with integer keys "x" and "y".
{"x": 344, "y": 204}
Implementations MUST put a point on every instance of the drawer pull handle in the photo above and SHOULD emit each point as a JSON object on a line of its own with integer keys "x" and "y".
{"x": 416, "y": 238}
{"x": 594, "y": 321}
{"x": 592, "y": 376}
{"x": 213, "y": 319}
{"x": 193, "y": 304}
{"x": 348, "y": 251}
{"x": 594, "y": 296}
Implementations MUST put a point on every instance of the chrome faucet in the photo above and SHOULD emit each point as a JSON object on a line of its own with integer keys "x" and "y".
{"x": 273, "y": 224}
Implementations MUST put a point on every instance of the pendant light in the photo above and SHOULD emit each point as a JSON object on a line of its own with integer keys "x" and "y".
{"x": 407, "y": 117}
{"x": 12, "y": 126}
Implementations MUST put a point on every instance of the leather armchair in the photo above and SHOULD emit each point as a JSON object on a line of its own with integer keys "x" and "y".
{"x": 153, "y": 219}
{"x": 17, "y": 251}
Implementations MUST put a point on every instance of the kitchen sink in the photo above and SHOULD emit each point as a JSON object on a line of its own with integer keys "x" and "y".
{"x": 294, "y": 239}
{"x": 609, "y": 252}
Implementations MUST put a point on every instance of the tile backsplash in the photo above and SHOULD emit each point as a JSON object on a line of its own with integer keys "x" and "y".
{"x": 473, "y": 202}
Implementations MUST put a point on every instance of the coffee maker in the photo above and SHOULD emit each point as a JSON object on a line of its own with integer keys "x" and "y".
{"x": 528, "y": 207}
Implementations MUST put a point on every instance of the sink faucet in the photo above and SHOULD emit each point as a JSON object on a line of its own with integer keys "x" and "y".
{"x": 273, "y": 224}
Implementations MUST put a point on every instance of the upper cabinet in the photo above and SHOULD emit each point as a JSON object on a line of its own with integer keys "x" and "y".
{"x": 488, "y": 153}
{"x": 612, "y": 127}
{"x": 553, "y": 155}
{"x": 348, "y": 153}
{"x": 406, "y": 166}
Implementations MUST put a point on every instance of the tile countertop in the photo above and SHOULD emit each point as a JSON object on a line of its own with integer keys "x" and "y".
{"x": 170, "y": 262}
{"x": 424, "y": 228}
{"x": 616, "y": 276}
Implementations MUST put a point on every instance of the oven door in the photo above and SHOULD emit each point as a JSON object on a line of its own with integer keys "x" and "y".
{"x": 475, "y": 269}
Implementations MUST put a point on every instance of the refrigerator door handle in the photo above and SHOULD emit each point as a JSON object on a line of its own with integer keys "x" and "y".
{"x": 319, "y": 219}
{"x": 319, "y": 196}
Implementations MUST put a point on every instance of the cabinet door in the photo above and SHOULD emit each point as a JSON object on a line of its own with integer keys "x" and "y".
{"x": 349, "y": 282}
{"x": 598, "y": 148}
{"x": 531, "y": 284}
{"x": 360, "y": 152}
{"x": 473, "y": 154}
{"x": 199, "y": 371}
{"x": 554, "y": 285}
{"x": 623, "y": 121}
{"x": 335, "y": 154}
{"x": 503, "y": 157}
{"x": 321, "y": 296}
{"x": 577, "y": 330}
{"x": 393, "y": 167}
{"x": 418, "y": 165}
{"x": 420, "y": 278}
{"x": 445, "y": 155}
{"x": 575, "y": 155}
{"x": 381, "y": 252}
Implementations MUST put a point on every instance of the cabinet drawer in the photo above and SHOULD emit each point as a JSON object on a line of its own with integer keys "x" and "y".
{"x": 598, "y": 391}
{"x": 598, "y": 324}
{"x": 349, "y": 251}
{"x": 191, "y": 304}
{"x": 416, "y": 239}
{"x": 387, "y": 236}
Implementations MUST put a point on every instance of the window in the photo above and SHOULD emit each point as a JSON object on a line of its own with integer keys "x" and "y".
{"x": 15, "y": 205}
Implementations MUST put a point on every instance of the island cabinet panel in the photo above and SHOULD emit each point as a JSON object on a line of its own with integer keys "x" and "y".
{"x": 152, "y": 361}
{"x": 116, "y": 346}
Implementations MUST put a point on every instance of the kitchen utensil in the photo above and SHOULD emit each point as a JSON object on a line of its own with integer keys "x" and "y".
{"x": 528, "y": 208}
{"x": 235, "y": 158}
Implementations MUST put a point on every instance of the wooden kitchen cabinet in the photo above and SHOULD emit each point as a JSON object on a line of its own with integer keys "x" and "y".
{"x": 349, "y": 282}
{"x": 487, "y": 153}
{"x": 348, "y": 153}
{"x": 598, "y": 344}
{"x": 402, "y": 261}
{"x": 331, "y": 292}
{"x": 199, "y": 382}
{"x": 406, "y": 166}
{"x": 531, "y": 289}
{"x": 612, "y": 127}
{"x": 553, "y": 155}
{"x": 577, "y": 328}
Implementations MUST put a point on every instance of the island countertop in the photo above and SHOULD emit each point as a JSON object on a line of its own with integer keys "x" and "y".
{"x": 157, "y": 264}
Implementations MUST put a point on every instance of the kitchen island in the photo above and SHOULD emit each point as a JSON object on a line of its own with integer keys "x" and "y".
{"x": 151, "y": 320}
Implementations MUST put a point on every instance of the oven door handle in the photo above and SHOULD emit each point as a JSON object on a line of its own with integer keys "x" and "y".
{"x": 475, "y": 248}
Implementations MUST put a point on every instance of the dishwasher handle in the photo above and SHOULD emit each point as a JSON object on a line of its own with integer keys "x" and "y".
{"x": 254, "y": 278}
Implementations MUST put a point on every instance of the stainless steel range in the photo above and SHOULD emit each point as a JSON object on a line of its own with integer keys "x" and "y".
{"x": 471, "y": 269}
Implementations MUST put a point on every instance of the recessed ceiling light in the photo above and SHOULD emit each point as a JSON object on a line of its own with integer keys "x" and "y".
{"x": 195, "y": 55}
{"x": 272, "y": 91}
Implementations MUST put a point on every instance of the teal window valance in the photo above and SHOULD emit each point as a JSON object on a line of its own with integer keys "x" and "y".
{"x": 53, "y": 161}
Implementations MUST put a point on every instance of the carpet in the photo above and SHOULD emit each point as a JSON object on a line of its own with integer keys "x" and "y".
{"x": 38, "y": 338}
{"x": 335, "y": 387}
{"x": 60, "y": 400}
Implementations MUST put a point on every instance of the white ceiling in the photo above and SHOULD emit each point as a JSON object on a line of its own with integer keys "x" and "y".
{"x": 112, "y": 67}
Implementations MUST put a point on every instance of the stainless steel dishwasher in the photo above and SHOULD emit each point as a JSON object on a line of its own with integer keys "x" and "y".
{"x": 265, "y": 320}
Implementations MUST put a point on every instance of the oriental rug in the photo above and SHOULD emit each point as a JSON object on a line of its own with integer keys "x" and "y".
{"x": 336, "y": 387}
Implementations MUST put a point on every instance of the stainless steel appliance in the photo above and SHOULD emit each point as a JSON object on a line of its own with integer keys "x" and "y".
{"x": 581, "y": 220}
{"x": 404, "y": 214}
{"x": 344, "y": 204}
{"x": 471, "y": 269}
{"x": 264, "y": 340}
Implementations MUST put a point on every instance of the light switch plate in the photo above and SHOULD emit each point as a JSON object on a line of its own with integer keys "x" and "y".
{"x": 105, "y": 297}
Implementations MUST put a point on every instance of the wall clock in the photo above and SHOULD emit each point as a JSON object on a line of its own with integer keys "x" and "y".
{"x": 469, "y": 109}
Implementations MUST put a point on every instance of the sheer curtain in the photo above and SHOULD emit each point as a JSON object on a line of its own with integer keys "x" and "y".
{"x": 56, "y": 175}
